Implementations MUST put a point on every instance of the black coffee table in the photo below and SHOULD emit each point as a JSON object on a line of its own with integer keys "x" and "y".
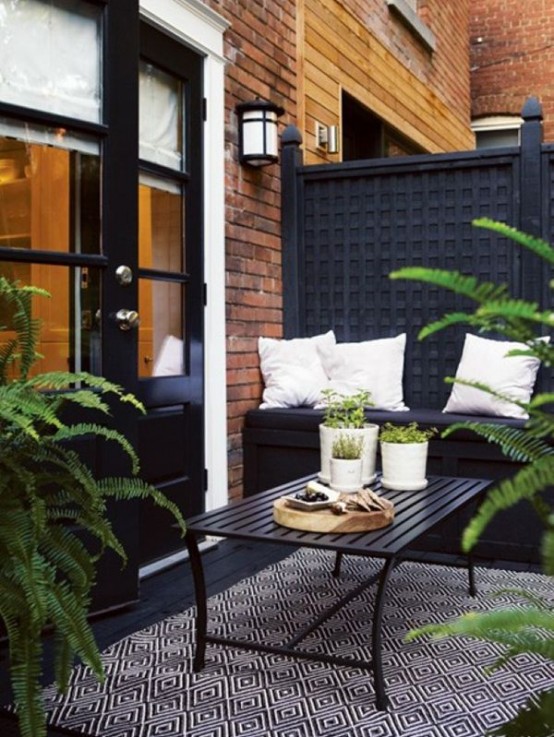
{"x": 416, "y": 513}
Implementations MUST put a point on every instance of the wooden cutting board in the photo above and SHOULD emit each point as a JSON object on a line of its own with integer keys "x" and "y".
{"x": 324, "y": 520}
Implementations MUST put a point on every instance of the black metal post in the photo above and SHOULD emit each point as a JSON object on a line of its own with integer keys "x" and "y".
{"x": 291, "y": 159}
{"x": 531, "y": 195}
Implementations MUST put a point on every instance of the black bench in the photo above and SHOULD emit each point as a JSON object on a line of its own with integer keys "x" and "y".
{"x": 283, "y": 444}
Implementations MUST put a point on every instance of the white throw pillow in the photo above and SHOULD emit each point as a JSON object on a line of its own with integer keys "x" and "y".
{"x": 485, "y": 361}
{"x": 376, "y": 366}
{"x": 292, "y": 370}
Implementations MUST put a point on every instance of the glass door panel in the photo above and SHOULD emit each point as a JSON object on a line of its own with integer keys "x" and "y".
{"x": 49, "y": 196}
{"x": 161, "y": 334}
{"x": 161, "y": 208}
{"x": 70, "y": 334}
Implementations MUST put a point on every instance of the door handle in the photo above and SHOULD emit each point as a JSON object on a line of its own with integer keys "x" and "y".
{"x": 127, "y": 319}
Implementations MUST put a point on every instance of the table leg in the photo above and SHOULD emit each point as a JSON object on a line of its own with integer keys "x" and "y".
{"x": 200, "y": 594}
{"x": 381, "y": 697}
{"x": 336, "y": 569}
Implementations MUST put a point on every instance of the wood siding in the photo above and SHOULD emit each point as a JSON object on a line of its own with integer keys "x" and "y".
{"x": 376, "y": 59}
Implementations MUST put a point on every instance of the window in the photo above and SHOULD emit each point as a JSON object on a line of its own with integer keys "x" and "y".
{"x": 366, "y": 136}
{"x": 406, "y": 12}
{"x": 496, "y": 131}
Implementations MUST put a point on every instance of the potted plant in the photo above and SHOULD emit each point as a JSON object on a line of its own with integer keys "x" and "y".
{"x": 404, "y": 450}
{"x": 49, "y": 499}
{"x": 346, "y": 462}
{"x": 346, "y": 412}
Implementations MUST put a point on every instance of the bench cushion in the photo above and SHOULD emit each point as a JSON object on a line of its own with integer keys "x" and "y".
{"x": 308, "y": 419}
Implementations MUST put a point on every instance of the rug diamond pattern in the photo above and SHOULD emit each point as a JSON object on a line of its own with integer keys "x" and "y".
{"x": 437, "y": 688}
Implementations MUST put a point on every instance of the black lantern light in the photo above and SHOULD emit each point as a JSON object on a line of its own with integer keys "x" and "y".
{"x": 258, "y": 140}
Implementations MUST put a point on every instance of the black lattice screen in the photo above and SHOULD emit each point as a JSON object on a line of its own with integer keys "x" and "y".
{"x": 360, "y": 224}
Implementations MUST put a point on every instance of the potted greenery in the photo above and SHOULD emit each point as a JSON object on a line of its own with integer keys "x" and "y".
{"x": 48, "y": 499}
{"x": 529, "y": 626}
{"x": 346, "y": 462}
{"x": 346, "y": 412}
{"x": 404, "y": 450}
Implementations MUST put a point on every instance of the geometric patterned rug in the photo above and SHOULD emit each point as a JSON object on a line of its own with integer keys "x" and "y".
{"x": 437, "y": 688}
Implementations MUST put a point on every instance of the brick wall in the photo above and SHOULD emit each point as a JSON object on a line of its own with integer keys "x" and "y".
{"x": 512, "y": 57}
{"x": 260, "y": 49}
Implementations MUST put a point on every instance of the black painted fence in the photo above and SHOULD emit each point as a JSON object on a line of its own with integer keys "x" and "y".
{"x": 347, "y": 226}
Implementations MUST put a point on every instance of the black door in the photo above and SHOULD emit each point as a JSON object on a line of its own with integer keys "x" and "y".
{"x": 69, "y": 222}
{"x": 171, "y": 283}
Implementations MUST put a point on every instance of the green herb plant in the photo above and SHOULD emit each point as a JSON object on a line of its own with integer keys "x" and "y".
{"x": 405, "y": 434}
{"x": 48, "y": 497}
{"x": 528, "y": 628}
{"x": 345, "y": 411}
{"x": 348, "y": 447}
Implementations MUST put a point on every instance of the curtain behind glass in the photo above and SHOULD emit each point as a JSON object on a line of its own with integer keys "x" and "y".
{"x": 50, "y": 56}
{"x": 161, "y": 123}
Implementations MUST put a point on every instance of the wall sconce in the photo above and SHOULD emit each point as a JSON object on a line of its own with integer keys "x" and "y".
{"x": 327, "y": 137}
{"x": 258, "y": 140}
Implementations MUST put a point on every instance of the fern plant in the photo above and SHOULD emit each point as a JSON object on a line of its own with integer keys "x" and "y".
{"x": 48, "y": 495}
{"x": 530, "y": 628}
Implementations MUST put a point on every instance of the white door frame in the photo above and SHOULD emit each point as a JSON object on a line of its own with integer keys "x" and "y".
{"x": 202, "y": 29}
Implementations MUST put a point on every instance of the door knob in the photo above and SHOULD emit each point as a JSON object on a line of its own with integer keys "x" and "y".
{"x": 123, "y": 275}
{"x": 127, "y": 319}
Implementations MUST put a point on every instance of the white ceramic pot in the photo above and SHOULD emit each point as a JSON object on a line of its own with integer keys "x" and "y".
{"x": 328, "y": 435}
{"x": 404, "y": 466}
{"x": 346, "y": 474}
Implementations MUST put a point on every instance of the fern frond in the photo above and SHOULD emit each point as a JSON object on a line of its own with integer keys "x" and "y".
{"x": 7, "y": 357}
{"x": 468, "y": 286}
{"x": 514, "y": 442}
{"x": 536, "y": 245}
{"x": 82, "y": 429}
{"x": 60, "y": 380}
{"x": 68, "y": 613}
{"x": 447, "y": 321}
{"x": 541, "y": 399}
{"x": 526, "y": 483}
{"x": 547, "y": 548}
{"x": 25, "y": 325}
{"x": 63, "y": 662}
{"x": 487, "y": 390}
{"x": 534, "y": 719}
{"x": 25, "y": 678}
{"x": 540, "y": 424}
{"x": 120, "y": 488}
{"x": 516, "y": 309}
{"x": 495, "y": 625}
{"x": 69, "y": 556}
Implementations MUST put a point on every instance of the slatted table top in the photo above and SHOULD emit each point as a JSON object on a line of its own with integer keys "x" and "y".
{"x": 416, "y": 513}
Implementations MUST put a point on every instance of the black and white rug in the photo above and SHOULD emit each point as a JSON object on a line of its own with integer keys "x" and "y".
{"x": 437, "y": 688}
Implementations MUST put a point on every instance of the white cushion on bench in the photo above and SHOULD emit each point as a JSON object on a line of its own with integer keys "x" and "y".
{"x": 292, "y": 370}
{"x": 376, "y": 366}
{"x": 485, "y": 361}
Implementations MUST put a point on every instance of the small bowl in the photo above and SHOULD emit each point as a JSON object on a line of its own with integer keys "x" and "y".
{"x": 332, "y": 497}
